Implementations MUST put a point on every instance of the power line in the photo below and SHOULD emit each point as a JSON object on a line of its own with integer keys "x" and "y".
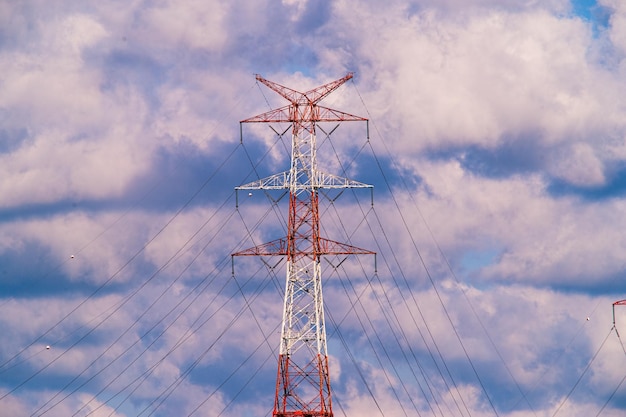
{"x": 582, "y": 374}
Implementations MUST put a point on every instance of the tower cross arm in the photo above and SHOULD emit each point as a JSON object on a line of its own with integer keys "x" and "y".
{"x": 331, "y": 247}
{"x": 312, "y": 96}
{"x": 276, "y": 247}
{"x": 290, "y": 94}
{"x": 280, "y": 115}
{"x": 279, "y": 247}
{"x": 318, "y": 93}
{"x": 326, "y": 180}
{"x": 325, "y": 114}
{"x": 278, "y": 181}
{"x": 286, "y": 114}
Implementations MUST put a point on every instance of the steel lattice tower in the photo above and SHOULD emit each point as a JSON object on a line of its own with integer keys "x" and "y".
{"x": 302, "y": 383}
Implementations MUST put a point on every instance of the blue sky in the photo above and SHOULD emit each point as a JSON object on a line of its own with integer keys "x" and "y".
{"x": 497, "y": 151}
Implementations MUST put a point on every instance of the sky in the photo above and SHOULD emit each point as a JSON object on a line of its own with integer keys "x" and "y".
{"x": 496, "y": 145}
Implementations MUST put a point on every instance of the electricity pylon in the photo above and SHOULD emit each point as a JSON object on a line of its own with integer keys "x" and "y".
{"x": 303, "y": 383}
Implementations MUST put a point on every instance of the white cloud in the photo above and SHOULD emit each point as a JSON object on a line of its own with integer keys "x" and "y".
{"x": 617, "y": 34}
{"x": 580, "y": 166}
{"x": 13, "y": 406}
{"x": 82, "y": 141}
{"x": 90, "y": 97}
{"x": 488, "y": 78}
{"x": 197, "y": 25}
{"x": 531, "y": 235}
{"x": 48, "y": 84}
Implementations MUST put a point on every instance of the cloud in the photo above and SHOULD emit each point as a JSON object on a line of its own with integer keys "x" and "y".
{"x": 77, "y": 139}
{"x": 490, "y": 79}
{"x": 530, "y": 234}
{"x": 198, "y": 25}
{"x": 496, "y": 139}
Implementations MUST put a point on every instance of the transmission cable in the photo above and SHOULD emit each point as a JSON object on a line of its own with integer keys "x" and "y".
{"x": 172, "y": 387}
{"x": 582, "y": 374}
{"x": 342, "y": 227}
{"x": 608, "y": 400}
{"x": 199, "y": 293}
{"x": 422, "y": 261}
{"x": 185, "y": 336}
{"x": 156, "y": 323}
{"x": 265, "y": 341}
{"x": 177, "y": 383}
{"x": 106, "y": 229}
{"x": 387, "y": 318}
{"x": 365, "y": 216}
{"x": 115, "y": 274}
{"x": 145, "y": 311}
{"x": 181, "y": 340}
{"x": 406, "y": 282}
{"x": 119, "y": 305}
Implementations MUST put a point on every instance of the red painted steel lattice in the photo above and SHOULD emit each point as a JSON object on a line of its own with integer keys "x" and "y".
{"x": 302, "y": 382}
